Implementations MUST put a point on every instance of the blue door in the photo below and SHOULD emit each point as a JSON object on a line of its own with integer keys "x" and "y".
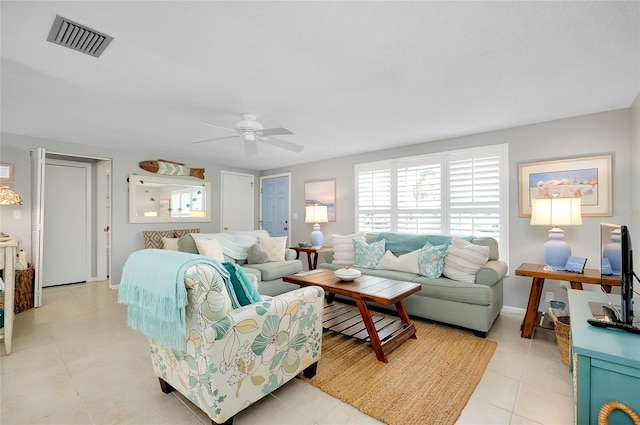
{"x": 275, "y": 205}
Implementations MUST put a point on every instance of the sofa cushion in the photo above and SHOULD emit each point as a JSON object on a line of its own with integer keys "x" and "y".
{"x": 343, "y": 249}
{"x": 431, "y": 260}
{"x": 257, "y": 255}
{"x": 464, "y": 259}
{"x": 274, "y": 246}
{"x": 210, "y": 248}
{"x": 403, "y": 263}
{"x": 186, "y": 243}
{"x": 276, "y": 270}
{"x": 243, "y": 287}
{"x": 456, "y": 291}
{"x": 368, "y": 255}
{"x": 406, "y": 242}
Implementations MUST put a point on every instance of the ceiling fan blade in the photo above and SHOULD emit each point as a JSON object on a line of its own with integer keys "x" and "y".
{"x": 217, "y": 126}
{"x": 250, "y": 147}
{"x": 280, "y": 131}
{"x": 283, "y": 144}
{"x": 213, "y": 140}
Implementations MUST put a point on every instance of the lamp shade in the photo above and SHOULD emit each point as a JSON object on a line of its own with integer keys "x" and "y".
{"x": 316, "y": 214}
{"x": 9, "y": 197}
{"x": 556, "y": 212}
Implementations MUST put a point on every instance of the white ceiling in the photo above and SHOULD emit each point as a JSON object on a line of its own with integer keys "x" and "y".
{"x": 345, "y": 77}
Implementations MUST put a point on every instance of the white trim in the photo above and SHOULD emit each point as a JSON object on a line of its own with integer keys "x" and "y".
{"x": 513, "y": 310}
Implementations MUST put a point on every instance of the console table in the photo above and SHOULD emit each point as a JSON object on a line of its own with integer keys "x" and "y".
{"x": 537, "y": 272}
{"x": 605, "y": 363}
{"x": 8, "y": 250}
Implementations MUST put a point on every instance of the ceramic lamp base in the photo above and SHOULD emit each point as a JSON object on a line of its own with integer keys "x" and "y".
{"x": 316, "y": 236}
{"x": 556, "y": 250}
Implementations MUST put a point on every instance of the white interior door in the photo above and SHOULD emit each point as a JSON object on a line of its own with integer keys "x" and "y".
{"x": 66, "y": 246}
{"x": 238, "y": 195}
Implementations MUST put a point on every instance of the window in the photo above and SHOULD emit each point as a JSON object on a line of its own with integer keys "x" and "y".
{"x": 457, "y": 193}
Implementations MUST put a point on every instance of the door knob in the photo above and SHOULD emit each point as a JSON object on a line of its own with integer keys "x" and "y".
{"x": 226, "y": 228}
{"x": 286, "y": 228}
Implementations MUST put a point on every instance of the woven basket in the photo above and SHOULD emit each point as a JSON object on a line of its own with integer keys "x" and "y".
{"x": 563, "y": 335}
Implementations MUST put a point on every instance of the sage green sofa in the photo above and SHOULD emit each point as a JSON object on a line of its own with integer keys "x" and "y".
{"x": 474, "y": 306}
{"x": 269, "y": 274}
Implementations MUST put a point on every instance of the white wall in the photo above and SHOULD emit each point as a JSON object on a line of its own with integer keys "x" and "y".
{"x": 126, "y": 237}
{"x": 595, "y": 134}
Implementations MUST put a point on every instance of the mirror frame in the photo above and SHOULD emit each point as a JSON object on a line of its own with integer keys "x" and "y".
{"x": 135, "y": 180}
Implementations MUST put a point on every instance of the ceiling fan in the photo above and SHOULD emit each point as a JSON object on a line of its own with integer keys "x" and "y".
{"x": 250, "y": 130}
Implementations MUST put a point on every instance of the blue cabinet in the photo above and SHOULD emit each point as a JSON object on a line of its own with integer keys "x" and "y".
{"x": 605, "y": 362}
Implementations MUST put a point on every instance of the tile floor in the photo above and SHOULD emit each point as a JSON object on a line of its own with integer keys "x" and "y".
{"x": 74, "y": 361}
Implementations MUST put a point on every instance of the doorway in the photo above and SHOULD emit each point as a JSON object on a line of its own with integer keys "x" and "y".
{"x": 67, "y": 174}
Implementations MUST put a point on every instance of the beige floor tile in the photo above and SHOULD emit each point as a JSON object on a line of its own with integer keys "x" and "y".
{"x": 498, "y": 390}
{"x": 480, "y": 413}
{"x": 544, "y": 406}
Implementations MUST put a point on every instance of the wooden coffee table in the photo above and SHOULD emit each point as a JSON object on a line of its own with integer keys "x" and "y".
{"x": 384, "y": 333}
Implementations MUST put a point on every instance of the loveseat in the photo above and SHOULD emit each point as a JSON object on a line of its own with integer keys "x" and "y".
{"x": 209, "y": 339}
{"x": 472, "y": 305}
{"x": 235, "y": 246}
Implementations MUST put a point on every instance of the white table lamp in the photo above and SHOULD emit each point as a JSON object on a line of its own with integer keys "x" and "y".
{"x": 316, "y": 214}
{"x": 556, "y": 212}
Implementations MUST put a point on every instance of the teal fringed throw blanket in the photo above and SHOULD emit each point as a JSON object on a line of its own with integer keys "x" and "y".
{"x": 405, "y": 242}
{"x": 152, "y": 286}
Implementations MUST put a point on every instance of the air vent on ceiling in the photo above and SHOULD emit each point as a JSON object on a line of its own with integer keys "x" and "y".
{"x": 78, "y": 37}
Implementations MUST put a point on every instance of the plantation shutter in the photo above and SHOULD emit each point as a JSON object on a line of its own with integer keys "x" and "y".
{"x": 374, "y": 200}
{"x": 419, "y": 198}
{"x": 474, "y": 195}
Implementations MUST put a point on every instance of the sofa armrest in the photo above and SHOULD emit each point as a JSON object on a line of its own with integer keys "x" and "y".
{"x": 290, "y": 254}
{"x": 491, "y": 273}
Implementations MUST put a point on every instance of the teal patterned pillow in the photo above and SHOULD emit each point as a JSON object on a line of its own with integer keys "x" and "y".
{"x": 431, "y": 260}
{"x": 368, "y": 255}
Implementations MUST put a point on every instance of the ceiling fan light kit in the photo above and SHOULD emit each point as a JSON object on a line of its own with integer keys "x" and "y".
{"x": 250, "y": 130}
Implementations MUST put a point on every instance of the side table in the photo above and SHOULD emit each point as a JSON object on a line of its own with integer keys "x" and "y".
{"x": 310, "y": 250}
{"x": 537, "y": 272}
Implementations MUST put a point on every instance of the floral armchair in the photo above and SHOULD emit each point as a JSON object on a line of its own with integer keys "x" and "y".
{"x": 234, "y": 357}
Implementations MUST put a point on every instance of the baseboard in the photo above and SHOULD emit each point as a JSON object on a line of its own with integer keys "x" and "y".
{"x": 513, "y": 310}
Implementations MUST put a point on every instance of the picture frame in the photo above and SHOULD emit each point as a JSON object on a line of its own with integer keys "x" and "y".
{"x": 6, "y": 171}
{"x": 588, "y": 178}
{"x": 321, "y": 192}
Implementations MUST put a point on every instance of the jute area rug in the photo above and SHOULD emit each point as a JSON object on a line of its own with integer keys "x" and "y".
{"x": 428, "y": 380}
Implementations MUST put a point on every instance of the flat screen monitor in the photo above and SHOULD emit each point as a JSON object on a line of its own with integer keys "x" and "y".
{"x": 617, "y": 266}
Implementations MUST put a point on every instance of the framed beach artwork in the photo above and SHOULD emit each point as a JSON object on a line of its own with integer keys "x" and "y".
{"x": 321, "y": 193}
{"x": 588, "y": 178}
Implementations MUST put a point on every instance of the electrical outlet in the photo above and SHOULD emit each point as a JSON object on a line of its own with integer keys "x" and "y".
{"x": 548, "y": 296}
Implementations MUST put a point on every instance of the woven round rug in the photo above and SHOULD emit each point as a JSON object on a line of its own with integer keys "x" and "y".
{"x": 428, "y": 380}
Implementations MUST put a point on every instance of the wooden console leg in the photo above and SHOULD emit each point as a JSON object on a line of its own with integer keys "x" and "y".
{"x": 532, "y": 308}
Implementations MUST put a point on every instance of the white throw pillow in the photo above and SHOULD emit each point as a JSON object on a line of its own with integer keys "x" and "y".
{"x": 464, "y": 259}
{"x": 210, "y": 248}
{"x": 343, "y": 249}
{"x": 275, "y": 247}
{"x": 404, "y": 263}
{"x": 170, "y": 243}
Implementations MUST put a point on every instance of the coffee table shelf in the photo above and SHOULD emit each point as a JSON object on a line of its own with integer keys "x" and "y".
{"x": 382, "y": 332}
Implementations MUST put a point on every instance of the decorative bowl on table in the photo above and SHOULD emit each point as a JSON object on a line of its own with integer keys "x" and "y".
{"x": 347, "y": 274}
{"x": 303, "y": 244}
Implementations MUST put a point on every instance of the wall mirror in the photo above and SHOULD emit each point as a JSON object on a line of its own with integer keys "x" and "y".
{"x": 158, "y": 199}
